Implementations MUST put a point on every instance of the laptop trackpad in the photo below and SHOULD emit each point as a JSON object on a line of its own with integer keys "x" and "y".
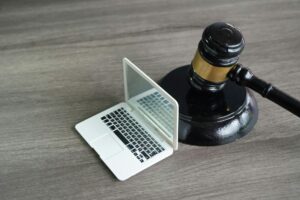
{"x": 106, "y": 146}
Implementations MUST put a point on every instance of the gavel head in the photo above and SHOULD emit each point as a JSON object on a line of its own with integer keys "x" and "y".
{"x": 218, "y": 52}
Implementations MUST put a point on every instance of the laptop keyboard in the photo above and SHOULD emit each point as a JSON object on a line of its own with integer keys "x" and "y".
{"x": 159, "y": 108}
{"x": 132, "y": 134}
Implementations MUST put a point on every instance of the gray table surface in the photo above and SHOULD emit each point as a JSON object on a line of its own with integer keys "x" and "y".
{"x": 60, "y": 63}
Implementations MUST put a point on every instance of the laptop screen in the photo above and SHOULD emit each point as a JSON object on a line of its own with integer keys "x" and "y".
{"x": 151, "y": 100}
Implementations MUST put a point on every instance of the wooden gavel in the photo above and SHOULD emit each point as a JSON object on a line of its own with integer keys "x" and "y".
{"x": 214, "y": 63}
{"x": 216, "y": 105}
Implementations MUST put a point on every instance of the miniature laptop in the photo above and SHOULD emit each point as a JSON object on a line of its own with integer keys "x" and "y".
{"x": 133, "y": 135}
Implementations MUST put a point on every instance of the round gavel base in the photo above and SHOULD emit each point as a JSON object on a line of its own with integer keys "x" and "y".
{"x": 207, "y": 118}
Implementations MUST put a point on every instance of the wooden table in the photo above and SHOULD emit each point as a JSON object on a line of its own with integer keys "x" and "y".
{"x": 60, "y": 63}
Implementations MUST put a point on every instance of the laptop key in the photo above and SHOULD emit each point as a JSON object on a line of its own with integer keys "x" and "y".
{"x": 145, "y": 155}
{"x": 153, "y": 153}
{"x": 103, "y": 118}
{"x": 122, "y": 138}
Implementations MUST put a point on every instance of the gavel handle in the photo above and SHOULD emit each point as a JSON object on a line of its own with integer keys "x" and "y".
{"x": 243, "y": 76}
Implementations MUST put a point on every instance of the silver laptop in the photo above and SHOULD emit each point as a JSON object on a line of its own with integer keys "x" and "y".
{"x": 133, "y": 135}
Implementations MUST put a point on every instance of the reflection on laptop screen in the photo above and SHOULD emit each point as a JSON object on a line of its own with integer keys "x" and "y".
{"x": 150, "y": 102}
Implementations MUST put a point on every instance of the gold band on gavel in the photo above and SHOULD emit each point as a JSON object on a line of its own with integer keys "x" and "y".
{"x": 209, "y": 72}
